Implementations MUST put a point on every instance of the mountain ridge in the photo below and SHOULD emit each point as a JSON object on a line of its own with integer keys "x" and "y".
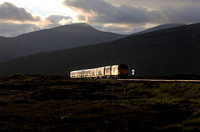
{"x": 164, "y": 52}
{"x": 63, "y": 37}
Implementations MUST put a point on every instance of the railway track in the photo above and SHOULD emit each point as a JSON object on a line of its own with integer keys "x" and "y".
{"x": 158, "y": 80}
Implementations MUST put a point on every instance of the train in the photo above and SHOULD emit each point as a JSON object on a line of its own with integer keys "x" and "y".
{"x": 110, "y": 71}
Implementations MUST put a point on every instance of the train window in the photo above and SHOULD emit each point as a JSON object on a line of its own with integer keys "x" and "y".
{"x": 107, "y": 70}
{"x": 99, "y": 73}
{"x": 114, "y": 70}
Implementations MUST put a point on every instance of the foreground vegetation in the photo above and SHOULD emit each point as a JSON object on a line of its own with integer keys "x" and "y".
{"x": 55, "y": 103}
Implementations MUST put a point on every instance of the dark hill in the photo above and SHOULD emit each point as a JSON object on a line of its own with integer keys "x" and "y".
{"x": 63, "y": 37}
{"x": 164, "y": 52}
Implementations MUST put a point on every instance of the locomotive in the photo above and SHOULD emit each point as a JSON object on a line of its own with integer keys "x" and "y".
{"x": 111, "y": 71}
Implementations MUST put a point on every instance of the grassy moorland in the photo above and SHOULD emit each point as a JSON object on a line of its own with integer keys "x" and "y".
{"x": 55, "y": 103}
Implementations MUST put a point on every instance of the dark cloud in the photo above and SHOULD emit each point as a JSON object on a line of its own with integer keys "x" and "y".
{"x": 102, "y": 11}
{"x": 11, "y": 30}
{"x": 56, "y": 20}
{"x": 9, "y": 11}
{"x": 107, "y": 13}
{"x": 155, "y": 3}
{"x": 99, "y": 6}
{"x": 182, "y": 15}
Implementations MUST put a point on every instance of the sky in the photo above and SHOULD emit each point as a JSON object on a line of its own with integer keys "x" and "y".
{"x": 119, "y": 16}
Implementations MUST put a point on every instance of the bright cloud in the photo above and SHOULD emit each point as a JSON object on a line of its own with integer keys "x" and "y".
{"x": 42, "y": 7}
{"x": 56, "y": 20}
{"x": 121, "y": 28}
{"x": 16, "y": 20}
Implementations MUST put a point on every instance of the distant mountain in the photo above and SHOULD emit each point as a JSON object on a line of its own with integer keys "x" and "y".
{"x": 63, "y": 37}
{"x": 160, "y": 27}
{"x": 164, "y": 52}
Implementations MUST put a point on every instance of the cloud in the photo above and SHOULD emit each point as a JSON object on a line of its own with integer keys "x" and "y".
{"x": 186, "y": 14}
{"x": 14, "y": 29}
{"x": 155, "y": 3}
{"x": 15, "y": 21}
{"x": 121, "y": 16}
{"x": 120, "y": 28}
{"x": 57, "y": 20}
{"x": 9, "y": 12}
{"x": 104, "y": 12}
{"x": 139, "y": 13}
{"x": 11, "y": 30}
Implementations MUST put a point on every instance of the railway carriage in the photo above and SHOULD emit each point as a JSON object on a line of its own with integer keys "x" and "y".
{"x": 93, "y": 72}
{"x": 113, "y": 71}
{"x": 73, "y": 74}
{"x": 79, "y": 74}
{"x": 108, "y": 70}
{"x": 100, "y": 72}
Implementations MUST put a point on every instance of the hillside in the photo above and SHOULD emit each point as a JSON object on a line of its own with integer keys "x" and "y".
{"x": 62, "y": 37}
{"x": 164, "y": 52}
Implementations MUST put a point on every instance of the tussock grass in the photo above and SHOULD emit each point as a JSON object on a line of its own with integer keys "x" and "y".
{"x": 56, "y": 103}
